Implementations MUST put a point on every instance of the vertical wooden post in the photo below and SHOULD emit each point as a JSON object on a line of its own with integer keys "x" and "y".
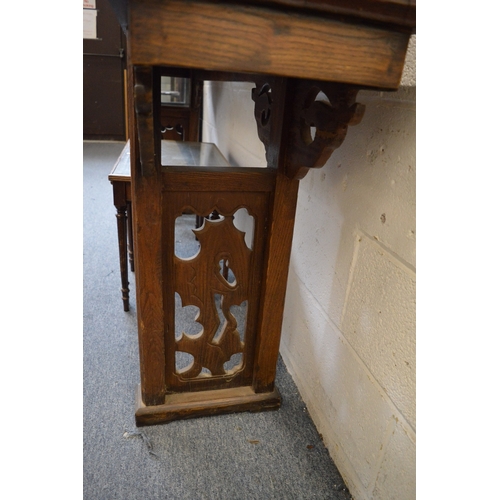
{"x": 273, "y": 290}
{"x": 146, "y": 189}
{"x": 279, "y": 239}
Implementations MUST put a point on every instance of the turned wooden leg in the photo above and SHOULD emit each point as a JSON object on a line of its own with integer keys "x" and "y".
{"x": 130, "y": 235}
{"x": 121, "y": 219}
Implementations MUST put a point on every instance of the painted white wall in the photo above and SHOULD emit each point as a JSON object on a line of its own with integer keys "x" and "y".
{"x": 348, "y": 335}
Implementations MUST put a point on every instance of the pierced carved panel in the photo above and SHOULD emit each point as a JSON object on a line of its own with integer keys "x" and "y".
{"x": 215, "y": 280}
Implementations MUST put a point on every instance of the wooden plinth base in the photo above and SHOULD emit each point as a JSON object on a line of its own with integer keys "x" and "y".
{"x": 204, "y": 403}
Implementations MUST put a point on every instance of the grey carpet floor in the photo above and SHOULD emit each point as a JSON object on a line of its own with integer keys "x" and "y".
{"x": 270, "y": 455}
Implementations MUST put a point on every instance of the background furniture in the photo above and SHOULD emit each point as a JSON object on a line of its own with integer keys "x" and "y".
{"x": 122, "y": 199}
{"x": 181, "y": 101}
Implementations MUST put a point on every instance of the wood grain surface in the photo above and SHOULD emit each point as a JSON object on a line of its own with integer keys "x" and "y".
{"x": 288, "y": 48}
{"x": 197, "y": 281}
{"x": 206, "y": 403}
{"x": 228, "y": 37}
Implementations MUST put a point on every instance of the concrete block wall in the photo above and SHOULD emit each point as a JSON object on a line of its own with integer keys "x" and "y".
{"x": 348, "y": 335}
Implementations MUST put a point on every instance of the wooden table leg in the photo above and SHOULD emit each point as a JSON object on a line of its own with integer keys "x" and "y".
{"x": 121, "y": 219}
{"x": 130, "y": 235}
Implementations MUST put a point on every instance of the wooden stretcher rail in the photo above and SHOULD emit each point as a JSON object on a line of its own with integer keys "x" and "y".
{"x": 239, "y": 179}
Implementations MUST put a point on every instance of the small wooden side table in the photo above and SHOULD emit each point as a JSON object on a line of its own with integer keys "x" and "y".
{"x": 122, "y": 199}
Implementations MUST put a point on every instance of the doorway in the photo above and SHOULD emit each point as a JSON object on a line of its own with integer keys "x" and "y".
{"x": 104, "y": 66}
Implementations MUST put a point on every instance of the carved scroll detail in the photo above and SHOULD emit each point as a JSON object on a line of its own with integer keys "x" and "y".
{"x": 143, "y": 99}
{"x": 330, "y": 118}
{"x": 198, "y": 280}
{"x": 262, "y": 96}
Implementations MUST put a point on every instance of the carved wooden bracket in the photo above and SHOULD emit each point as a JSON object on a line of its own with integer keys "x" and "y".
{"x": 262, "y": 96}
{"x": 143, "y": 100}
{"x": 269, "y": 96}
{"x": 321, "y": 114}
{"x": 315, "y": 122}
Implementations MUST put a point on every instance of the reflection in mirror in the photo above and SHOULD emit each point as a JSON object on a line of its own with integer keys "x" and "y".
{"x": 229, "y": 122}
{"x": 175, "y": 91}
{"x": 191, "y": 154}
